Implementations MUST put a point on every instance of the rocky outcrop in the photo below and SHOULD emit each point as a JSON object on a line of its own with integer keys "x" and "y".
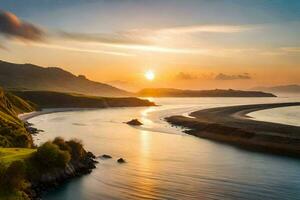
{"x": 58, "y": 176}
{"x": 121, "y": 160}
{"x": 134, "y": 122}
{"x": 105, "y": 156}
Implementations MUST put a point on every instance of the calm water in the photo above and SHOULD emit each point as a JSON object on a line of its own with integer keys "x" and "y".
{"x": 289, "y": 115}
{"x": 164, "y": 163}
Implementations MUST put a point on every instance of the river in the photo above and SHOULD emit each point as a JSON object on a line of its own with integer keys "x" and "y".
{"x": 164, "y": 163}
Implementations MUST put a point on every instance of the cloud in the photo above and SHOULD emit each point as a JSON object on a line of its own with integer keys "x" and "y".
{"x": 148, "y": 39}
{"x": 186, "y": 76}
{"x": 84, "y": 50}
{"x": 291, "y": 49}
{"x": 226, "y": 77}
{"x": 137, "y": 40}
{"x": 208, "y": 29}
{"x": 109, "y": 38}
{"x": 12, "y": 26}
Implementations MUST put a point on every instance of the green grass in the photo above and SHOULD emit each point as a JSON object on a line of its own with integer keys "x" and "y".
{"x": 8, "y": 155}
{"x": 15, "y": 195}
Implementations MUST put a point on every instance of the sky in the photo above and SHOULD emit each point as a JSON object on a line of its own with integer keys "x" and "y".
{"x": 191, "y": 44}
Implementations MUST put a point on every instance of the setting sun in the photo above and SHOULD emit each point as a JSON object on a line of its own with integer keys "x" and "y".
{"x": 150, "y": 75}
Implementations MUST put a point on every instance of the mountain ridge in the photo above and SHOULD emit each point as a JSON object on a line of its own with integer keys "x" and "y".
{"x": 33, "y": 77}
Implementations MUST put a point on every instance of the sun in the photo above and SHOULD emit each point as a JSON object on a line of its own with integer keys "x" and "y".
{"x": 150, "y": 75}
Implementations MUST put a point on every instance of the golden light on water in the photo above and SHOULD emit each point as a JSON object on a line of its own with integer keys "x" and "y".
{"x": 150, "y": 75}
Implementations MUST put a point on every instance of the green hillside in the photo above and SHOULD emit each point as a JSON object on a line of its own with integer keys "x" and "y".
{"x": 9, "y": 155}
{"x": 46, "y": 99}
{"x": 12, "y": 130}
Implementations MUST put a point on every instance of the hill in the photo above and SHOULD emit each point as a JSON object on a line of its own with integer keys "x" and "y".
{"x": 46, "y": 99}
{"x": 292, "y": 89}
{"x": 170, "y": 92}
{"x": 12, "y": 130}
{"x": 33, "y": 77}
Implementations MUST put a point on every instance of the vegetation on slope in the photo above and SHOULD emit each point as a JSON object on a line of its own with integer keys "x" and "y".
{"x": 46, "y": 99}
{"x": 12, "y": 130}
{"x": 20, "y": 168}
{"x": 9, "y": 155}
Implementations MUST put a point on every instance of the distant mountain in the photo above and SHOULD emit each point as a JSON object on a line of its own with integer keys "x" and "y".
{"x": 33, "y": 77}
{"x": 170, "y": 92}
{"x": 280, "y": 89}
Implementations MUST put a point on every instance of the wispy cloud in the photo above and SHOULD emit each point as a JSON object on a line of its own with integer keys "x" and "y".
{"x": 226, "y": 77}
{"x": 282, "y": 51}
{"x": 208, "y": 29}
{"x": 136, "y": 40}
{"x": 186, "y": 76}
{"x": 107, "y": 38}
{"x": 12, "y": 26}
{"x": 77, "y": 49}
{"x": 291, "y": 49}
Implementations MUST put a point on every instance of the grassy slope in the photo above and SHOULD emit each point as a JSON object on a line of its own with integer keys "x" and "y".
{"x": 47, "y": 99}
{"x": 12, "y": 130}
{"x": 8, "y": 155}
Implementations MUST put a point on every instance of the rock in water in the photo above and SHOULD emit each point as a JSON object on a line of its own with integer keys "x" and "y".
{"x": 105, "y": 156}
{"x": 121, "y": 160}
{"x": 134, "y": 122}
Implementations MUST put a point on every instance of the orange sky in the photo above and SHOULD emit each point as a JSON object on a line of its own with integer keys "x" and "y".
{"x": 238, "y": 49}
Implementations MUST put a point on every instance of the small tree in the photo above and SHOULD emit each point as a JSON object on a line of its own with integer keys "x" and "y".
{"x": 77, "y": 150}
{"x": 61, "y": 143}
{"x": 49, "y": 155}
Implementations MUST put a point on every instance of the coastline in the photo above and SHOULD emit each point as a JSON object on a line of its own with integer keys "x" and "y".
{"x": 53, "y": 179}
{"x": 26, "y": 116}
{"x": 232, "y": 125}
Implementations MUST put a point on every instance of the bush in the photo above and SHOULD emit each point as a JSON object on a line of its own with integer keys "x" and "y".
{"x": 60, "y": 142}
{"x": 50, "y": 156}
{"x": 2, "y": 172}
{"x": 13, "y": 177}
{"x": 77, "y": 150}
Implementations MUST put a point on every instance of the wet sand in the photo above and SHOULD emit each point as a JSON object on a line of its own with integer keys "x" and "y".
{"x": 232, "y": 125}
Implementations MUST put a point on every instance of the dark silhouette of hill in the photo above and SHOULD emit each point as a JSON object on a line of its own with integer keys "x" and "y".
{"x": 170, "y": 92}
{"x": 295, "y": 89}
{"x": 32, "y": 77}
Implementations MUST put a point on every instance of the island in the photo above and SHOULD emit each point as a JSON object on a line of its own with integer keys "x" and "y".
{"x": 231, "y": 125}
{"x": 171, "y": 92}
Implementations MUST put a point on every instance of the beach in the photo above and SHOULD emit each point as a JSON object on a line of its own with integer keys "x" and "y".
{"x": 232, "y": 125}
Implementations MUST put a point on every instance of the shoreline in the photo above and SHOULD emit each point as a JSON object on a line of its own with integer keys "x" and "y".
{"x": 26, "y": 116}
{"x": 54, "y": 179}
{"x": 231, "y": 125}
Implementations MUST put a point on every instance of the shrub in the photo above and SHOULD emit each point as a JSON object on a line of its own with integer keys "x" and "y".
{"x": 60, "y": 142}
{"x": 13, "y": 177}
{"x": 2, "y": 172}
{"x": 77, "y": 150}
{"x": 50, "y": 156}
